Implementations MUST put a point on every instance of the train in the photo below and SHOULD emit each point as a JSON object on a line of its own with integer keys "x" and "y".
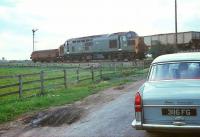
{"x": 115, "y": 46}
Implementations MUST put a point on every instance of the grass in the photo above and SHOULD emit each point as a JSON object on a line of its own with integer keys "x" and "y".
{"x": 11, "y": 107}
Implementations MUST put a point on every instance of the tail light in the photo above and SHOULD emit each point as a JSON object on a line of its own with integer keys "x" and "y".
{"x": 138, "y": 102}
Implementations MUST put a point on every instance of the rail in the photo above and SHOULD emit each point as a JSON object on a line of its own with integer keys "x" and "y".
{"x": 8, "y": 64}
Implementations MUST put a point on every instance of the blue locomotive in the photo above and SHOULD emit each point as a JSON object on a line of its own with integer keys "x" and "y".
{"x": 116, "y": 46}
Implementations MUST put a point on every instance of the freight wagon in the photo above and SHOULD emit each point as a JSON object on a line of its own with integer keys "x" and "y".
{"x": 185, "y": 40}
{"x": 50, "y": 55}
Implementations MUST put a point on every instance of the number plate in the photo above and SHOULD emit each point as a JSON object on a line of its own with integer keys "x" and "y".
{"x": 179, "y": 112}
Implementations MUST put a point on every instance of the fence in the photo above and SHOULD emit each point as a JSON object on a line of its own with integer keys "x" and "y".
{"x": 42, "y": 80}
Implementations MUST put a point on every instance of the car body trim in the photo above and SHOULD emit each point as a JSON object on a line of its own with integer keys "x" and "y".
{"x": 166, "y": 127}
{"x": 139, "y": 126}
{"x": 171, "y": 105}
{"x": 172, "y": 62}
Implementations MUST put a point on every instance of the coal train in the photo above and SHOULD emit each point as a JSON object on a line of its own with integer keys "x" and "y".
{"x": 115, "y": 46}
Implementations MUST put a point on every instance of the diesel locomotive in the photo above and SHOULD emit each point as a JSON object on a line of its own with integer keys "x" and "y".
{"x": 115, "y": 46}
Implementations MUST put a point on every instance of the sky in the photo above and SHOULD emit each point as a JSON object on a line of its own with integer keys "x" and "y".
{"x": 59, "y": 20}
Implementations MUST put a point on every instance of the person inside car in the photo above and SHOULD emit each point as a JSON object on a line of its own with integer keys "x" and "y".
{"x": 183, "y": 71}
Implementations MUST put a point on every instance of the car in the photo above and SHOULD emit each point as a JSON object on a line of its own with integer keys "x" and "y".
{"x": 169, "y": 100}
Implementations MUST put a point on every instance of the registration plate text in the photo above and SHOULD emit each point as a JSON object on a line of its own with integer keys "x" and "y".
{"x": 179, "y": 111}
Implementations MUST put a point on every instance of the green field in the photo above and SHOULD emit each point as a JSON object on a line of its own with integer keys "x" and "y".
{"x": 12, "y": 106}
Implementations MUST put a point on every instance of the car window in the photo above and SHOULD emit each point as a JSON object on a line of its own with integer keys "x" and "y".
{"x": 179, "y": 70}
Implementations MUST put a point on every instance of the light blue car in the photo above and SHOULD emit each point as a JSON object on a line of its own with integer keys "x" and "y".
{"x": 170, "y": 98}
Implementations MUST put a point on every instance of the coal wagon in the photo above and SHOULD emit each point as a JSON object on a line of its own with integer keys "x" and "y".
{"x": 185, "y": 40}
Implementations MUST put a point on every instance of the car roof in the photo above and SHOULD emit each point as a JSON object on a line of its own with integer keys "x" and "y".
{"x": 192, "y": 56}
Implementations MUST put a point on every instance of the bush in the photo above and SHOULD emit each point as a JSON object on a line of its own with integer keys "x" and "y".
{"x": 159, "y": 49}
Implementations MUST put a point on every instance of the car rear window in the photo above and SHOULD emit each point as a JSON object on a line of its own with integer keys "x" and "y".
{"x": 179, "y": 70}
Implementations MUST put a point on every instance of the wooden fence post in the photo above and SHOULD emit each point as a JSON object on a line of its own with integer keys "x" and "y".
{"x": 122, "y": 67}
{"x": 144, "y": 64}
{"x": 100, "y": 67}
{"x": 20, "y": 86}
{"x": 136, "y": 63}
{"x": 92, "y": 72}
{"x": 42, "y": 82}
{"x": 77, "y": 73}
{"x": 65, "y": 78}
{"x": 115, "y": 67}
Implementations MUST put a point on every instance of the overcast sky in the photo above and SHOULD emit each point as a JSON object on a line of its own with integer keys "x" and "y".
{"x": 59, "y": 20}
